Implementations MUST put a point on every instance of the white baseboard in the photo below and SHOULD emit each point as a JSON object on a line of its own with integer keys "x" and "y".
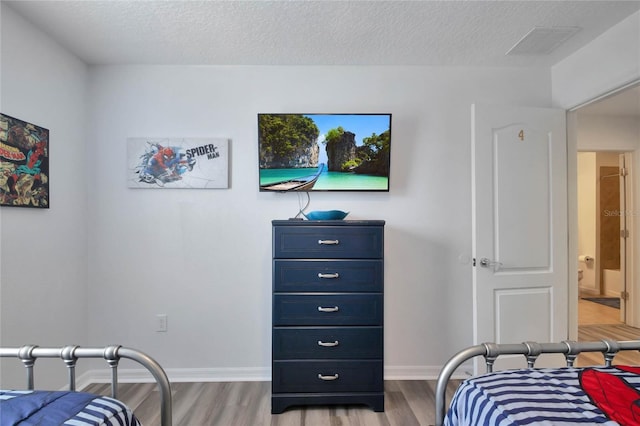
{"x": 588, "y": 291}
{"x": 249, "y": 374}
{"x": 175, "y": 375}
{"x": 424, "y": 372}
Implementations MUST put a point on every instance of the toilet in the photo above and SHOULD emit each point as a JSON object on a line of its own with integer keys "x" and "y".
{"x": 579, "y": 275}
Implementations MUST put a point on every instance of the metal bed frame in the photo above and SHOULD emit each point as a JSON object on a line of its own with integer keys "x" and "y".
{"x": 112, "y": 354}
{"x": 531, "y": 350}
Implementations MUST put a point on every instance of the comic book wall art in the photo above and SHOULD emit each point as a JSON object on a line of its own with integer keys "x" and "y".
{"x": 177, "y": 162}
{"x": 24, "y": 164}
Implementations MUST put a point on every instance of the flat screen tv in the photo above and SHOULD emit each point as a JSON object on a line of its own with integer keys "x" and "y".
{"x": 324, "y": 152}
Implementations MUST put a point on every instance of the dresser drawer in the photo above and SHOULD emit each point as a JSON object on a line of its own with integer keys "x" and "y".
{"x": 328, "y": 275}
{"x": 327, "y": 376}
{"x": 327, "y": 242}
{"x": 327, "y": 343}
{"x": 332, "y": 309}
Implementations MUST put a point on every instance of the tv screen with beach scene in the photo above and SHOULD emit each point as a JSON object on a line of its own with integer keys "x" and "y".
{"x": 324, "y": 152}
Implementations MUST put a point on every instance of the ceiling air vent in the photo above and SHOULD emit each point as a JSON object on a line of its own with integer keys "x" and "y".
{"x": 542, "y": 40}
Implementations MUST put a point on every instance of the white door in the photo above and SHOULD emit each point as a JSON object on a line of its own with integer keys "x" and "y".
{"x": 520, "y": 237}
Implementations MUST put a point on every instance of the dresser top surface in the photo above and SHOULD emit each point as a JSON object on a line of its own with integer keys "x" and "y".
{"x": 298, "y": 222}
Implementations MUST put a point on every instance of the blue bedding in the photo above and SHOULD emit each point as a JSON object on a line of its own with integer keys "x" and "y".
{"x": 564, "y": 396}
{"x": 26, "y": 408}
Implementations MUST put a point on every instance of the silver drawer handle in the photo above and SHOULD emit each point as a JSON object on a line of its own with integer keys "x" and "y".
{"x": 329, "y": 309}
{"x": 327, "y": 344}
{"x": 334, "y": 377}
{"x": 321, "y": 275}
{"x": 328, "y": 242}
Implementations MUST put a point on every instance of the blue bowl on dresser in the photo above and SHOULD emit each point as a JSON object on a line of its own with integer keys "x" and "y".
{"x": 326, "y": 215}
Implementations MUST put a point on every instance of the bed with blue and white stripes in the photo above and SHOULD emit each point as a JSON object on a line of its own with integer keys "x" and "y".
{"x": 549, "y": 396}
{"x": 23, "y": 408}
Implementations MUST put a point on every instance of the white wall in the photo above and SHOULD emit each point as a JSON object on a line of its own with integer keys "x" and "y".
{"x": 608, "y": 133}
{"x": 43, "y": 278}
{"x": 607, "y": 63}
{"x": 587, "y": 220}
{"x": 204, "y": 256}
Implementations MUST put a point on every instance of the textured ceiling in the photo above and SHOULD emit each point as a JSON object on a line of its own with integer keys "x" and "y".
{"x": 325, "y": 32}
{"x": 315, "y": 32}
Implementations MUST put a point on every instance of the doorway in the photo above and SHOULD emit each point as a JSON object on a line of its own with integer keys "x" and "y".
{"x": 606, "y": 136}
{"x": 602, "y": 236}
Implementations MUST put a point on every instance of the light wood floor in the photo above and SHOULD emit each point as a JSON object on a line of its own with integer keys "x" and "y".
{"x": 597, "y": 322}
{"x": 591, "y": 313}
{"x": 407, "y": 403}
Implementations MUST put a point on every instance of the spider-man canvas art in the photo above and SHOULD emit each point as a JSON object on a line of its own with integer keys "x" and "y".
{"x": 24, "y": 163}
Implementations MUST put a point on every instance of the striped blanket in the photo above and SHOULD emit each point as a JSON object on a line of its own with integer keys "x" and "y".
{"x": 561, "y": 396}
{"x": 62, "y": 408}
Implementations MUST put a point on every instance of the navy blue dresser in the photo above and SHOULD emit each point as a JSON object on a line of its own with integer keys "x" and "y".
{"x": 327, "y": 341}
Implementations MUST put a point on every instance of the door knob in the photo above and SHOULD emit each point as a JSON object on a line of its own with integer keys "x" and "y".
{"x": 485, "y": 263}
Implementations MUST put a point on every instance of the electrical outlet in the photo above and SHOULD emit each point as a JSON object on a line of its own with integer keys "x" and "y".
{"x": 161, "y": 322}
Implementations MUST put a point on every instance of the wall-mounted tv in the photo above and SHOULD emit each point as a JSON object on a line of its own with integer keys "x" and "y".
{"x": 324, "y": 152}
